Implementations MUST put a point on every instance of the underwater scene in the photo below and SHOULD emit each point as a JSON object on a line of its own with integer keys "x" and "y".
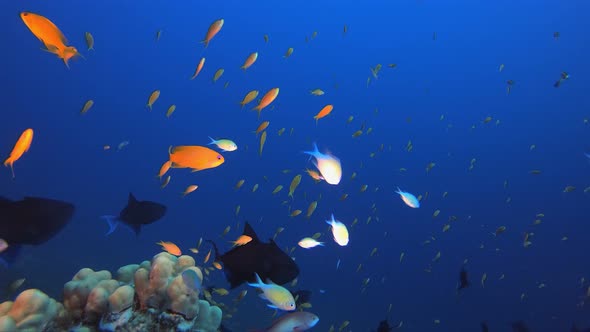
{"x": 287, "y": 166}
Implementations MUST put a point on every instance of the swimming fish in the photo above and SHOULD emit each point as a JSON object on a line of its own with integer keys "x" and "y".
{"x": 195, "y": 157}
{"x": 224, "y": 144}
{"x": 152, "y": 98}
{"x": 255, "y": 257}
{"x": 214, "y": 28}
{"x": 31, "y": 221}
{"x": 339, "y": 231}
{"x": 22, "y": 145}
{"x": 87, "y": 105}
{"x": 408, "y": 198}
{"x": 294, "y": 322}
{"x": 250, "y": 60}
{"x": 136, "y": 214}
{"x": 54, "y": 40}
{"x": 268, "y": 98}
{"x": 89, "y": 41}
{"x": 199, "y": 68}
{"x": 463, "y": 279}
{"x": 193, "y": 278}
{"x": 323, "y": 113}
{"x": 249, "y": 97}
{"x": 328, "y": 165}
{"x": 309, "y": 242}
{"x": 278, "y": 296}
{"x": 170, "y": 248}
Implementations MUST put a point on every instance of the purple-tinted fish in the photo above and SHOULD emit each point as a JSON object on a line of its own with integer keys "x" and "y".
{"x": 296, "y": 321}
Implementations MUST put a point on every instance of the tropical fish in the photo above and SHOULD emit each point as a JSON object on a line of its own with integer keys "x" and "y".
{"x": 294, "y": 321}
{"x": 339, "y": 231}
{"x": 89, "y": 41}
{"x": 255, "y": 257}
{"x": 22, "y": 145}
{"x": 224, "y": 144}
{"x": 268, "y": 98}
{"x": 408, "y": 198}
{"x": 87, "y": 105}
{"x": 249, "y": 97}
{"x": 250, "y": 60}
{"x": 170, "y": 248}
{"x": 278, "y": 296}
{"x": 31, "y": 221}
{"x": 50, "y": 35}
{"x": 328, "y": 165}
{"x": 309, "y": 242}
{"x": 214, "y": 28}
{"x": 323, "y": 112}
{"x": 193, "y": 279}
{"x": 195, "y": 157}
{"x": 463, "y": 279}
{"x": 136, "y": 214}
{"x": 199, "y": 68}
{"x": 152, "y": 99}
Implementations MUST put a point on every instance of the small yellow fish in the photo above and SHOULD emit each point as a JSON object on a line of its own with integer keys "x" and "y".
{"x": 170, "y": 110}
{"x": 152, "y": 99}
{"x": 317, "y": 92}
{"x": 87, "y": 106}
{"x": 277, "y": 189}
{"x": 218, "y": 74}
{"x": 89, "y": 41}
{"x": 288, "y": 53}
{"x": 294, "y": 183}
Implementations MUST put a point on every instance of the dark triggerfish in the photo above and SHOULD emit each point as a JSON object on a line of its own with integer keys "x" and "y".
{"x": 241, "y": 264}
{"x": 31, "y": 221}
{"x": 136, "y": 214}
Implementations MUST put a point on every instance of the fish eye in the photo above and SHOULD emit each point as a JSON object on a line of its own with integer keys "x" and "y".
{"x": 218, "y": 157}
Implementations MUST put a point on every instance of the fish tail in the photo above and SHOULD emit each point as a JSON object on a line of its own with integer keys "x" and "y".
{"x": 112, "y": 222}
{"x": 10, "y": 163}
{"x": 212, "y": 140}
{"x": 258, "y": 283}
{"x": 8, "y": 257}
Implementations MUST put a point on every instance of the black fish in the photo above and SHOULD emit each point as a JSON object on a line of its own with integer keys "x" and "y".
{"x": 384, "y": 326}
{"x": 136, "y": 214}
{"x": 31, "y": 221}
{"x": 301, "y": 296}
{"x": 519, "y": 326}
{"x": 240, "y": 264}
{"x": 463, "y": 279}
{"x": 484, "y": 327}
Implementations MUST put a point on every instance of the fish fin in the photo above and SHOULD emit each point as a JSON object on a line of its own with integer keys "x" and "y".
{"x": 212, "y": 140}
{"x": 272, "y": 306}
{"x": 8, "y": 257}
{"x": 132, "y": 200}
{"x": 113, "y": 223}
{"x": 248, "y": 230}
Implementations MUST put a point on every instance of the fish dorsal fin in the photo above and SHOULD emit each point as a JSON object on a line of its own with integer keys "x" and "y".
{"x": 249, "y": 231}
{"x": 132, "y": 200}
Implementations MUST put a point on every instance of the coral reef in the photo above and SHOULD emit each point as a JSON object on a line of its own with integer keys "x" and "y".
{"x": 144, "y": 297}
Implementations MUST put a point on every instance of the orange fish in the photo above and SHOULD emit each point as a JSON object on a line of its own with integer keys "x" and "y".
{"x": 164, "y": 169}
{"x": 213, "y": 30}
{"x": 189, "y": 189}
{"x": 195, "y": 157}
{"x": 323, "y": 113}
{"x": 170, "y": 248}
{"x": 268, "y": 98}
{"x": 242, "y": 240}
{"x": 22, "y": 145}
{"x": 250, "y": 61}
{"x": 199, "y": 67}
{"x": 262, "y": 127}
{"x": 50, "y": 35}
